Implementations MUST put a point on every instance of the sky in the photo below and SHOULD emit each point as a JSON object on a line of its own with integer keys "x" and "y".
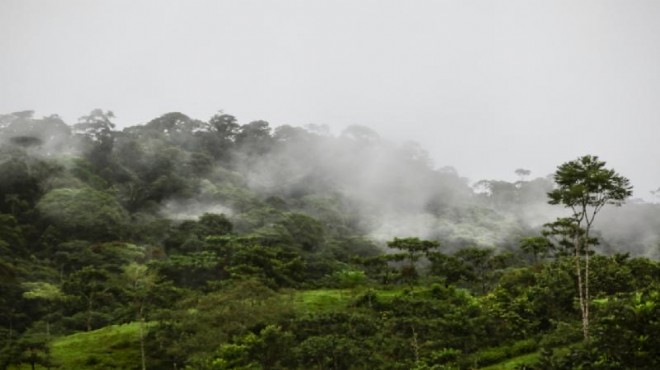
{"x": 484, "y": 86}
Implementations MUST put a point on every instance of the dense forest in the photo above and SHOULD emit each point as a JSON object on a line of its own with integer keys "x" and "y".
{"x": 189, "y": 244}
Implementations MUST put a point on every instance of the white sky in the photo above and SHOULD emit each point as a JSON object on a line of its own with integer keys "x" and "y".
{"x": 484, "y": 86}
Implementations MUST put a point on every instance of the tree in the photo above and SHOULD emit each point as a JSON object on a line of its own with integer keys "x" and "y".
{"x": 90, "y": 285}
{"x": 480, "y": 263}
{"x": 523, "y": 173}
{"x": 585, "y": 186}
{"x": 96, "y": 133}
{"x": 254, "y": 138}
{"x": 268, "y": 349}
{"x": 22, "y": 180}
{"x": 219, "y": 140}
{"x": 450, "y": 268}
{"x": 538, "y": 247}
{"x": 214, "y": 224}
{"x": 32, "y": 348}
{"x": 47, "y": 292}
{"x": 411, "y": 251}
{"x": 84, "y": 212}
{"x": 306, "y": 232}
{"x": 140, "y": 281}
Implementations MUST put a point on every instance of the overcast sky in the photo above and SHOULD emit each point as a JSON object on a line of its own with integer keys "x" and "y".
{"x": 484, "y": 86}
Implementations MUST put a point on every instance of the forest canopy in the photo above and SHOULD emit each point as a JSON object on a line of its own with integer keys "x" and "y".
{"x": 216, "y": 244}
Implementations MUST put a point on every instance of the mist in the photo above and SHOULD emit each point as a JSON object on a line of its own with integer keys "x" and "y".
{"x": 181, "y": 168}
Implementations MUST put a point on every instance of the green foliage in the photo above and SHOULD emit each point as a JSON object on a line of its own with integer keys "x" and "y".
{"x": 586, "y": 182}
{"x": 305, "y": 232}
{"x": 202, "y": 323}
{"x": 95, "y": 133}
{"x": 289, "y": 276}
{"x": 84, "y": 212}
{"x": 246, "y": 258}
{"x": 90, "y": 290}
{"x": 268, "y": 349}
{"x": 625, "y": 333}
{"x": 42, "y": 290}
{"x": 11, "y": 237}
{"x": 114, "y": 346}
{"x": 21, "y": 181}
{"x": 536, "y": 247}
{"x": 349, "y": 278}
{"x": 585, "y": 186}
{"x": 412, "y": 249}
{"x": 32, "y": 348}
{"x": 322, "y": 300}
{"x": 515, "y": 363}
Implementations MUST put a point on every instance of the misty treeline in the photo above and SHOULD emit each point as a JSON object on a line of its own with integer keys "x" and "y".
{"x": 227, "y": 245}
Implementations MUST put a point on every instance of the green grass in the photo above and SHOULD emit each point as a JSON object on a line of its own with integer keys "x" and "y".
{"x": 512, "y": 363}
{"x": 528, "y": 358}
{"x": 322, "y": 300}
{"x": 326, "y": 300}
{"x": 115, "y": 346}
{"x": 111, "y": 347}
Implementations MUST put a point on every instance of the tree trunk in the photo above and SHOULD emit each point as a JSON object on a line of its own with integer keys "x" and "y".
{"x": 11, "y": 325}
{"x": 587, "y": 298}
{"x": 88, "y": 321}
{"x": 578, "y": 271}
{"x": 144, "y": 361}
{"x": 415, "y": 345}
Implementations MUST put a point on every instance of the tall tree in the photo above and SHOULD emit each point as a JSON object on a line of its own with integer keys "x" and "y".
{"x": 411, "y": 250}
{"x": 88, "y": 285}
{"x": 47, "y": 292}
{"x": 96, "y": 133}
{"x": 585, "y": 186}
{"x": 140, "y": 282}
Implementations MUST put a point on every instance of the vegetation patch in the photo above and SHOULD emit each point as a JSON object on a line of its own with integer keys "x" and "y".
{"x": 515, "y": 362}
{"x": 112, "y": 347}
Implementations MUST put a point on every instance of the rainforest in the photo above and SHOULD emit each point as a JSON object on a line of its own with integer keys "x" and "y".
{"x": 213, "y": 244}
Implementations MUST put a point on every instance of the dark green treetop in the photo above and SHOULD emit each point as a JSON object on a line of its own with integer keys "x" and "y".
{"x": 585, "y": 186}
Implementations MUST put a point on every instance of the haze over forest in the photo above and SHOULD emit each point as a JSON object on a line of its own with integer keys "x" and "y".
{"x": 380, "y": 188}
{"x": 220, "y": 244}
{"x": 485, "y": 87}
{"x": 316, "y": 184}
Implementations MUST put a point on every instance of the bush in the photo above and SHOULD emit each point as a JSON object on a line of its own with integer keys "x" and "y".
{"x": 489, "y": 356}
{"x": 349, "y": 278}
{"x": 523, "y": 346}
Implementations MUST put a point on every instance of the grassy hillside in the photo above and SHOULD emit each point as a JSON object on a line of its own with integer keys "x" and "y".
{"x": 115, "y": 346}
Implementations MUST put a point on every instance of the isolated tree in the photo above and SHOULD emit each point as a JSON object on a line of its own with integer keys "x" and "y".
{"x": 585, "y": 186}
{"x": 522, "y": 173}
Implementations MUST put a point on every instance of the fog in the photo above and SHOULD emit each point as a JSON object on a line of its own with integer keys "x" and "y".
{"x": 180, "y": 168}
{"x": 486, "y": 87}
{"x": 396, "y": 110}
